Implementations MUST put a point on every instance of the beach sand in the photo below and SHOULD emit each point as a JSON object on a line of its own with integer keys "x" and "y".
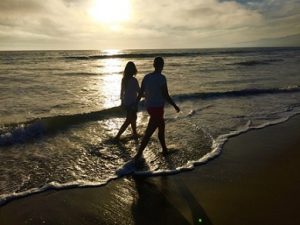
{"x": 256, "y": 180}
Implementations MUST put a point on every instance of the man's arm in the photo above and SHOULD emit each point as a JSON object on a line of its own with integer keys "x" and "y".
{"x": 168, "y": 98}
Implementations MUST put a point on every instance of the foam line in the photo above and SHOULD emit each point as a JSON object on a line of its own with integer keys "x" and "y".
{"x": 216, "y": 150}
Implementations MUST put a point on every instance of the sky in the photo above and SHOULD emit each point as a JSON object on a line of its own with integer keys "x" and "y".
{"x": 144, "y": 24}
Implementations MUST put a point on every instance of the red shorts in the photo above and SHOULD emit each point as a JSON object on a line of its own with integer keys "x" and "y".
{"x": 156, "y": 112}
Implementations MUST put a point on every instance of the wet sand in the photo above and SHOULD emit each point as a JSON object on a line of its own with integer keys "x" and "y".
{"x": 255, "y": 181}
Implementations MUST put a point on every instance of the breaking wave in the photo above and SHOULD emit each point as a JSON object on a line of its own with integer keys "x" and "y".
{"x": 23, "y": 132}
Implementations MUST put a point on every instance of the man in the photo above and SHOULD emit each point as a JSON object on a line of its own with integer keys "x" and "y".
{"x": 154, "y": 88}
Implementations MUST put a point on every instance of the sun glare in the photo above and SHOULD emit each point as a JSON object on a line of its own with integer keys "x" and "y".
{"x": 111, "y": 12}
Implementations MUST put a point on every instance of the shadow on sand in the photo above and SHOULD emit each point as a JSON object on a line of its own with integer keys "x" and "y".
{"x": 160, "y": 205}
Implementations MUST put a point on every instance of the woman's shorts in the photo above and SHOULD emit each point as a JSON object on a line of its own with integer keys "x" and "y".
{"x": 130, "y": 108}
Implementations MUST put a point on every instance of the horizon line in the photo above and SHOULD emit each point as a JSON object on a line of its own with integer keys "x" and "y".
{"x": 124, "y": 49}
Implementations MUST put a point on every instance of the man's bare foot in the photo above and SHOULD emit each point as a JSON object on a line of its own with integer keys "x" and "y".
{"x": 116, "y": 138}
{"x": 165, "y": 152}
{"x": 137, "y": 157}
{"x": 135, "y": 136}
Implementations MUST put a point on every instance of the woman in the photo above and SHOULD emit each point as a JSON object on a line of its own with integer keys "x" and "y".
{"x": 129, "y": 91}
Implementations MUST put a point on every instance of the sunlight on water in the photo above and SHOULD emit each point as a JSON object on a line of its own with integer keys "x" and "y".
{"x": 110, "y": 83}
{"x": 111, "y": 86}
{"x": 111, "y": 66}
{"x": 112, "y": 51}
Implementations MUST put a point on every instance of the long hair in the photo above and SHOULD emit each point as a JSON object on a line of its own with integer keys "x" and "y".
{"x": 129, "y": 71}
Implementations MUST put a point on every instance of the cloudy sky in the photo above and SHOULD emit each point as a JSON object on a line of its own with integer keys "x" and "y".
{"x": 127, "y": 24}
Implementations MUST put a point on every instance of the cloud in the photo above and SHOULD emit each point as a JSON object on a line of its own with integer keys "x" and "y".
{"x": 201, "y": 23}
{"x": 41, "y": 20}
{"x": 197, "y": 14}
{"x": 17, "y": 6}
{"x": 62, "y": 24}
{"x": 219, "y": 22}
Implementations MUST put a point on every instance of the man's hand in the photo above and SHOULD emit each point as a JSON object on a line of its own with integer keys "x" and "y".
{"x": 177, "y": 108}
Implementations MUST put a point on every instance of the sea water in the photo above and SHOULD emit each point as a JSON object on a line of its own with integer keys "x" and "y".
{"x": 60, "y": 109}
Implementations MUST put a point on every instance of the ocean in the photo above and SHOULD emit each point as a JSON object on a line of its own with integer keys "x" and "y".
{"x": 60, "y": 110}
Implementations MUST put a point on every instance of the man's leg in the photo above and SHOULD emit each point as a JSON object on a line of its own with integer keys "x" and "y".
{"x": 152, "y": 125}
{"x": 161, "y": 135}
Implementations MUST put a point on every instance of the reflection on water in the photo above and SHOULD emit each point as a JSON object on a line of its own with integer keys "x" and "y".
{"x": 110, "y": 90}
{"x": 112, "y": 51}
{"x": 112, "y": 66}
{"x": 109, "y": 84}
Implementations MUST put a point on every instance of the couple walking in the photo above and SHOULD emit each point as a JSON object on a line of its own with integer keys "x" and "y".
{"x": 155, "y": 90}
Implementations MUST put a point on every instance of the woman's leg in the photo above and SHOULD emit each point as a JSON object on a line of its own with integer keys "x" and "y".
{"x": 133, "y": 124}
{"x": 124, "y": 126}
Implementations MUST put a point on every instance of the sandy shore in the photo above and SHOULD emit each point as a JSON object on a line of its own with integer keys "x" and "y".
{"x": 255, "y": 181}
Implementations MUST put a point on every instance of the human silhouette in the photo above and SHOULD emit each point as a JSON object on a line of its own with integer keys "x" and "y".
{"x": 129, "y": 92}
{"x": 155, "y": 90}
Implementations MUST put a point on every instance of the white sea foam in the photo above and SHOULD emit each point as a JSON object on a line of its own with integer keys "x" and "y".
{"x": 216, "y": 150}
{"x": 51, "y": 186}
{"x": 217, "y": 146}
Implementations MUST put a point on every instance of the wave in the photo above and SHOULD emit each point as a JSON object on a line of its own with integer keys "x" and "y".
{"x": 78, "y": 74}
{"x": 178, "y": 53}
{"x": 5, "y": 198}
{"x": 256, "y": 62}
{"x": 133, "y": 55}
{"x": 236, "y": 93}
{"x": 23, "y": 132}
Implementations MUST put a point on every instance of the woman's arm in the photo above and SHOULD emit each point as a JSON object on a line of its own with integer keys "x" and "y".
{"x": 122, "y": 90}
{"x": 141, "y": 93}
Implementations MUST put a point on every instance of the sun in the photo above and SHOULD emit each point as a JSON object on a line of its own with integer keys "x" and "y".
{"x": 111, "y": 12}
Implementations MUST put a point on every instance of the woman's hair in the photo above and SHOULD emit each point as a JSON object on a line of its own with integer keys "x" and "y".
{"x": 129, "y": 71}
